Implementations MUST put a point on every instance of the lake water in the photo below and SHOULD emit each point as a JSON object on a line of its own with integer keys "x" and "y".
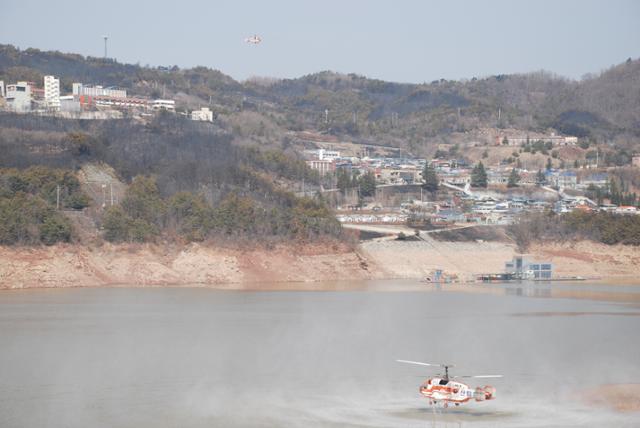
{"x": 169, "y": 357}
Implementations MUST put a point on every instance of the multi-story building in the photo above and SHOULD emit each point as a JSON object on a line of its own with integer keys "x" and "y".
{"x": 80, "y": 89}
{"x": 204, "y": 115}
{"x": 597, "y": 180}
{"x": 169, "y": 105}
{"x": 18, "y": 97}
{"x": 51, "y": 93}
{"x": 324, "y": 154}
{"x": 322, "y": 166}
{"x": 562, "y": 179}
{"x": 556, "y": 140}
{"x": 521, "y": 268}
{"x": 567, "y": 179}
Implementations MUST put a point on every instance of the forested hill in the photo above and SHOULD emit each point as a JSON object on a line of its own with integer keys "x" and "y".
{"x": 601, "y": 107}
{"x": 187, "y": 180}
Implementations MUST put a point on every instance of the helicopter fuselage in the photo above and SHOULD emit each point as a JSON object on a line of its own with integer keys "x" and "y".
{"x": 449, "y": 391}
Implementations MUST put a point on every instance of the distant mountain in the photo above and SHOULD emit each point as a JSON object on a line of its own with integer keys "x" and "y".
{"x": 601, "y": 107}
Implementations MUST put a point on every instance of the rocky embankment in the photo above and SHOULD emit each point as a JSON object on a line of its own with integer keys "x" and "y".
{"x": 302, "y": 267}
{"x": 190, "y": 265}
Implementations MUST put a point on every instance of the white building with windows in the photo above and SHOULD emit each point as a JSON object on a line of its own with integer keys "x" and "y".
{"x": 18, "y": 97}
{"x": 322, "y": 166}
{"x": 169, "y": 105}
{"x": 204, "y": 115}
{"x": 330, "y": 155}
{"x": 82, "y": 90}
{"x": 51, "y": 93}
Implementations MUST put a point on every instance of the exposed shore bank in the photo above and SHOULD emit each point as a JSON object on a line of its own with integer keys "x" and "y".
{"x": 303, "y": 267}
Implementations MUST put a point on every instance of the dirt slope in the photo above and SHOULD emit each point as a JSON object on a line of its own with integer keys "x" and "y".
{"x": 199, "y": 265}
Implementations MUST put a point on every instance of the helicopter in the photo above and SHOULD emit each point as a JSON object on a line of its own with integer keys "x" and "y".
{"x": 254, "y": 40}
{"x": 448, "y": 390}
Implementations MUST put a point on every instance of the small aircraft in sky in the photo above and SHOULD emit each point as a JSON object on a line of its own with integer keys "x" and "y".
{"x": 447, "y": 389}
{"x": 254, "y": 40}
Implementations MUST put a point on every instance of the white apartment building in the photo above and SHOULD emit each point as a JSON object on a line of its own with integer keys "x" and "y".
{"x": 18, "y": 97}
{"x": 51, "y": 93}
{"x": 322, "y": 166}
{"x": 80, "y": 90}
{"x": 204, "y": 115}
{"x": 556, "y": 140}
{"x": 169, "y": 105}
{"x": 329, "y": 155}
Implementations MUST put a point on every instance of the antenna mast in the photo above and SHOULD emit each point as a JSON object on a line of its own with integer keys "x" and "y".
{"x": 105, "y": 46}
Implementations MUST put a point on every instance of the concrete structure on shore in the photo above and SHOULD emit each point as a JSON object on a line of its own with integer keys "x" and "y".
{"x": 522, "y": 268}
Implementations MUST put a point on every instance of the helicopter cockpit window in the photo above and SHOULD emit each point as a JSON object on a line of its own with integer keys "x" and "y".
{"x": 443, "y": 382}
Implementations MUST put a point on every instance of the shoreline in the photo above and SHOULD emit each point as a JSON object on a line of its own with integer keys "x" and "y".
{"x": 310, "y": 267}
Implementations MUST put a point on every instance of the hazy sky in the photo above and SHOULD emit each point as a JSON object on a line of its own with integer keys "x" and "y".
{"x": 399, "y": 40}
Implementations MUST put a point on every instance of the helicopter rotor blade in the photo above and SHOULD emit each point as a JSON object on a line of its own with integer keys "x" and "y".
{"x": 418, "y": 363}
{"x": 480, "y": 376}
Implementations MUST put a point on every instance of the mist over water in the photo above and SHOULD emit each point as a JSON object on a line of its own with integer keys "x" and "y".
{"x": 204, "y": 358}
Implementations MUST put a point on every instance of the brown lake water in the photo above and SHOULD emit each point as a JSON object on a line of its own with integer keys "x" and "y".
{"x": 180, "y": 357}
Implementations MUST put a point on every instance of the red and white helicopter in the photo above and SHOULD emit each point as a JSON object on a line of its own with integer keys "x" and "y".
{"x": 446, "y": 389}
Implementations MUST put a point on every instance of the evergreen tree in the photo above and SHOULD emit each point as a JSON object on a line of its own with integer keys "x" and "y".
{"x": 549, "y": 164}
{"x": 344, "y": 180}
{"x": 540, "y": 178}
{"x": 514, "y": 178}
{"x": 614, "y": 192}
{"x": 430, "y": 180}
{"x": 367, "y": 184}
{"x": 479, "y": 176}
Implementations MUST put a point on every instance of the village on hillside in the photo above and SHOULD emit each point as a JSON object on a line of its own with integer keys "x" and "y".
{"x": 490, "y": 177}
{"x": 86, "y": 101}
{"x": 481, "y": 192}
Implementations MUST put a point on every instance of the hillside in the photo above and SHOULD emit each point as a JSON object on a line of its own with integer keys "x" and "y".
{"x": 186, "y": 182}
{"x": 605, "y": 107}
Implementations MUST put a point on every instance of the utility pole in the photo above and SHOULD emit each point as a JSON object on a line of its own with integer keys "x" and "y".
{"x": 57, "y": 197}
{"x": 499, "y": 113}
{"x": 111, "y": 190}
{"x": 105, "y": 46}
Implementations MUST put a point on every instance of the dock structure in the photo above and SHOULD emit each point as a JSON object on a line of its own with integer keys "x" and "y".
{"x": 522, "y": 268}
{"x": 518, "y": 269}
